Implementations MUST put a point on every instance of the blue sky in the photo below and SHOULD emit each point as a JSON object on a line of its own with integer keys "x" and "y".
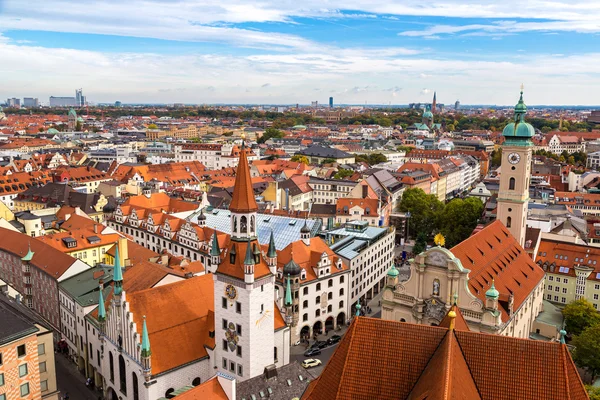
{"x": 357, "y": 51}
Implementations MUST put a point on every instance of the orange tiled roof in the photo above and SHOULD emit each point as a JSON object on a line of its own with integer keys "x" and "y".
{"x": 243, "y": 200}
{"x": 371, "y": 204}
{"x": 81, "y": 235}
{"x": 494, "y": 254}
{"x": 553, "y": 255}
{"x": 438, "y": 363}
{"x": 236, "y": 269}
{"x": 176, "y": 338}
{"x": 209, "y": 390}
{"x": 158, "y": 202}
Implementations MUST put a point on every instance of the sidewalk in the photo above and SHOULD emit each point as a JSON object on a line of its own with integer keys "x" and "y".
{"x": 69, "y": 380}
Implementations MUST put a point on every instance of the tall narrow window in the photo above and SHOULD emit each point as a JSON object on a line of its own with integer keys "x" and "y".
{"x": 122, "y": 376}
{"x": 112, "y": 366}
{"x": 508, "y": 222}
{"x": 134, "y": 383}
{"x": 511, "y": 184}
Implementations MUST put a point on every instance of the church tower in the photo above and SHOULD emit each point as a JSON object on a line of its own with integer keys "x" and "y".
{"x": 72, "y": 120}
{"x": 513, "y": 195}
{"x": 244, "y": 289}
{"x": 434, "y": 103}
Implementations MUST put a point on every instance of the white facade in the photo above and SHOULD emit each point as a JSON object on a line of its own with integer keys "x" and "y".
{"x": 328, "y": 191}
{"x": 212, "y": 156}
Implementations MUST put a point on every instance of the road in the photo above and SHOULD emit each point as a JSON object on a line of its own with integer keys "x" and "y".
{"x": 324, "y": 357}
{"x": 71, "y": 381}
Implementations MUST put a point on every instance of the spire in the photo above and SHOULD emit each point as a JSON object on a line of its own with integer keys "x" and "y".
{"x": 118, "y": 273}
{"x": 272, "y": 252}
{"x": 249, "y": 260}
{"x": 214, "y": 249}
{"x": 243, "y": 200}
{"x": 520, "y": 108}
{"x": 492, "y": 292}
{"x": 101, "y": 308}
{"x": 145, "y": 341}
{"x": 358, "y": 309}
{"x": 288, "y": 292}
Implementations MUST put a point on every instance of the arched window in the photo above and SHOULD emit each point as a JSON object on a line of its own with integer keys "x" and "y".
{"x": 318, "y": 313}
{"x": 275, "y": 353}
{"x": 196, "y": 381}
{"x": 122, "y": 376}
{"x": 234, "y": 224}
{"x": 305, "y": 317}
{"x": 511, "y": 184}
{"x": 243, "y": 224}
{"x": 305, "y": 290}
{"x": 318, "y": 300}
{"x": 134, "y": 383}
{"x": 508, "y": 222}
{"x": 252, "y": 224}
{"x": 341, "y": 303}
{"x": 112, "y": 366}
{"x": 305, "y": 304}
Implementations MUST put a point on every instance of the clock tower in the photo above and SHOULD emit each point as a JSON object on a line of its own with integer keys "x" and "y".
{"x": 513, "y": 195}
{"x": 244, "y": 290}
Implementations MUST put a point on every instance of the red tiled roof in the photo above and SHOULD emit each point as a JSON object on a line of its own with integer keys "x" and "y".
{"x": 382, "y": 360}
{"x": 494, "y": 254}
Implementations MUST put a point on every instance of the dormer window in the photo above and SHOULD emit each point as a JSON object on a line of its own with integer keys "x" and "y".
{"x": 70, "y": 242}
{"x": 303, "y": 274}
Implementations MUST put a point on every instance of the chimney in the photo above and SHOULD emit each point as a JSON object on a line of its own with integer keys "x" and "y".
{"x": 95, "y": 228}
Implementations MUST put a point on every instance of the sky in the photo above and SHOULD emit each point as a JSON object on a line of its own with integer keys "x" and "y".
{"x": 288, "y": 52}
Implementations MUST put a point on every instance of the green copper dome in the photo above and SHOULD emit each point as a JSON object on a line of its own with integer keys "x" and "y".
{"x": 492, "y": 292}
{"x": 428, "y": 114}
{"x": 72, "y": 113}
{"x": 393, "y": 272}
{"x": 519, "y": 132}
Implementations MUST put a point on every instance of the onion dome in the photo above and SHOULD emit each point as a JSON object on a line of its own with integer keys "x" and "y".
{"x": 492, "y": 292}
{"x": 519, "y": 132}
{"x": 305, "y": 228}
{"x": 393, "y": 272}
{"x": 202, "y": 217}
{"x": 292, "y": 268}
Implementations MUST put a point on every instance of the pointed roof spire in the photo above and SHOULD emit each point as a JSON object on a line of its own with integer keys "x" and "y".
{"x": 145, "y": 340}
{"x": 101, "y": 308}
{"x": 272, "y": 251}
{"x": 29, "y": 255}
{"x": 118, "y": 273}
{"x": 305, "y": 228}
{"x": 249, "y": 260}
{"x": 288, "y": 292}
{"x": 492, "y": 291}
{"x": 243, "y": 200}
{"x": 215, "y": 251}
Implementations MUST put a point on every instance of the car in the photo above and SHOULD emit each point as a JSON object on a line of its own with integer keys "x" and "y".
{"x": 311, "y": 362}
{"x": 334, "y": 339}
{"x": 312, "y": 352}
{"x": 297, "y": 343}
{"x": 320, "y": 344}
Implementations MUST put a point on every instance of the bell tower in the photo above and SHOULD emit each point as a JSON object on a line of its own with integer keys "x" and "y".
{"x": 513, "y": 195}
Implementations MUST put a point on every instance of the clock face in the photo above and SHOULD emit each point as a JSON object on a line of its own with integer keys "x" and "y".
{"x": 231, "y": 292}
{"x": 514, "y": 158}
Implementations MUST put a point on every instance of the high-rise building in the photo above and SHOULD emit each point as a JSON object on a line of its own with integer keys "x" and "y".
{"x": 118, "y": 104}
{"x": 314, "y": 104}
{"x": 457, "y": 105}
{"x": 14, "y": 102}
{"x": 79, "y": 98}
{"x": 77, "y": 101}
{"x": 331, "y": 102}
{"x": 31, "y": 102}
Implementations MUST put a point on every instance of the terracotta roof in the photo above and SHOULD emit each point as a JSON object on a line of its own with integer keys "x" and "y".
{"x": 438, "y": 363}
{"x": 371, "y": 204}
{"x": 561, "y": 258}
{"x": 243, "y": 195}
{"x": 159, "y": 202}
{"x": 181, "y": 337}
{"x": 493, "y": 253}
{"x": 209, "y": 390}
{"x": 46, "y": 258}
{"x": 460, "y": 324}
{"x": 82, "y": 236}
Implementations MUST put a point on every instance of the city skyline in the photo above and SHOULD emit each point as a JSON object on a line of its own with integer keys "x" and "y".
{"x": 286, "y": 53}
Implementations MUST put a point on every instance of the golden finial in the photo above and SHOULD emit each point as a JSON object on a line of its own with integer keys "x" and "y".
{"x": 243, "y": 136}
{"x": 440, "y": 240}
{"x": 452, "y": 315}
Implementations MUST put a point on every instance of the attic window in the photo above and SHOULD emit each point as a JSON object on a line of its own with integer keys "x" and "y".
{"x": 93, "y": 239}
{"x": 70, "y": 242}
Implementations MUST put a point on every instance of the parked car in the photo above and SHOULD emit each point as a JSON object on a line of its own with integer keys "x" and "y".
{"x": 311, "y": 362}
{"x": 334, "y": 339}
{"x": 313, "y": 351}
{"x": 320, "y": 344}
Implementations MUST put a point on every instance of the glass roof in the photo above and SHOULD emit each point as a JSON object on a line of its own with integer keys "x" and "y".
{"x": 285, "y": 229}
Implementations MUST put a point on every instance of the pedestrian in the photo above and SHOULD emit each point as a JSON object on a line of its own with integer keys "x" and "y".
{"x": 66, "y": 396}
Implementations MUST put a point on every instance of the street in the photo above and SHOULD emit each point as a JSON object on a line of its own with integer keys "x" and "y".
{"x": 69, "y": 380}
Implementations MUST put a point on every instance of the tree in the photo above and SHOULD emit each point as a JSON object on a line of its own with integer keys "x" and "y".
{"x": 270, "y": 133}
{"x": 496, "y": 158}
{"x": 329, "y": 161}
{"x": 424, "y": 210}
{"x": 579, "y": 315}
{"x": 152, "y": 126}
{"x": 587, "y": 350}
{"x": 459, "y": 218}
{"x": 593, "y": 392}
{"x": 301, "y": 159}
{"x": 571, "y": 160}
{"x": 420, "y": 244}
{"x": 377, "y": 158}
{"x": 78, "y": 126}
{"x": 343, "y": 173}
